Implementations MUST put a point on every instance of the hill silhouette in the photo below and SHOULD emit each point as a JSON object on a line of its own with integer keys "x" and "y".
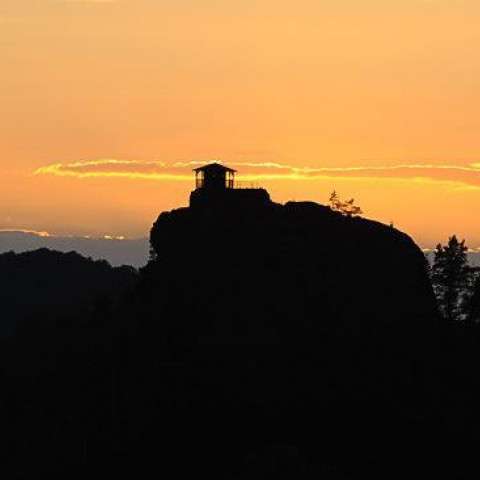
{"x": 116, "y": 251}
{"x": 43, "y": 282}
{"x": 261, "y": 341}
{"x": 55, "y": 369}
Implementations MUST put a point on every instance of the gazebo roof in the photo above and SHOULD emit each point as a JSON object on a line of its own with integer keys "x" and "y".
{"x": 214, "y": 167}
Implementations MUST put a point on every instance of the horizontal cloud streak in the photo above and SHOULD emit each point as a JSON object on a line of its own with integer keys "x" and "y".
{"x": 466, "y": 176}
{"x": 26, "y": 231}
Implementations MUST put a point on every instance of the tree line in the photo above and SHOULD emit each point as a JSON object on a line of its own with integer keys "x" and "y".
{"x": 456, "y": 283}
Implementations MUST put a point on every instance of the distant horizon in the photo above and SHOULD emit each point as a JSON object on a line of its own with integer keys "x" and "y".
{"x": 99, "y": 236}
{"x": 95, "y": 235}
{"x": 118, "y": 250}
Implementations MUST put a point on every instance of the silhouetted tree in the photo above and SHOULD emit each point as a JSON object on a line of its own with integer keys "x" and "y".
{"x": 451, "y": 278}
{"x": 347, "y": 208}
{"x": 473, "y": 308}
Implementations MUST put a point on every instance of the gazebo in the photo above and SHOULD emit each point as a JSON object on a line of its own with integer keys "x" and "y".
{"x": 214, "y": 176}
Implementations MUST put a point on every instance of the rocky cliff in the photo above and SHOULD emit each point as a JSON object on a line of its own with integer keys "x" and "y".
{"x": 284, "y": 340}
{"x": 276, "y": 267}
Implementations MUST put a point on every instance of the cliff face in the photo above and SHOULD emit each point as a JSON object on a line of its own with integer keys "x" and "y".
{"x": 274, "y": 268}
{"x": 285, "y": 329}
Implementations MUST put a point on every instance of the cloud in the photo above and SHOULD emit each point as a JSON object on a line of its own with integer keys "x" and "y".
{"x": 459, "y": 176}
{"x": 25, "y": 231}
{"x": 44, "y": 234}
{"x": 111, "y": 168}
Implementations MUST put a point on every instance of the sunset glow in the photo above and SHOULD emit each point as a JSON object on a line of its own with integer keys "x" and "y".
{"x": 107, "y": 106}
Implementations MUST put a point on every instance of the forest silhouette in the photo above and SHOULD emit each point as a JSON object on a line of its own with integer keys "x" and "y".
{"x": 260, "y": 341}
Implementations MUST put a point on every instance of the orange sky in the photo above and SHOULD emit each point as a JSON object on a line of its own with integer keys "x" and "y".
{"x": 377, "y": 99}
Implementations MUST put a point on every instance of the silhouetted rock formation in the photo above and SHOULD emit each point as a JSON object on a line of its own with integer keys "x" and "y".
{"x": 276, "y": 340}
{"x": 244, "y": 266}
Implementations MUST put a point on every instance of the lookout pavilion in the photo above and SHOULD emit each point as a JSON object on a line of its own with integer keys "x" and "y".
{"x": 215, "y": 187}
{"x": 214, "y": 176}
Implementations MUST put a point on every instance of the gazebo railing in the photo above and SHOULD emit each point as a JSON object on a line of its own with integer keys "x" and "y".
{"x": 245, "y": 185}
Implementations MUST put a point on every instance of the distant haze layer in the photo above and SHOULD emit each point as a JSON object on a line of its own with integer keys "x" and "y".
{"x": 116, "y": 251}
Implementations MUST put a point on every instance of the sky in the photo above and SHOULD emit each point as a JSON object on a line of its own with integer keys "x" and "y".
{"x": 107, "y": 105}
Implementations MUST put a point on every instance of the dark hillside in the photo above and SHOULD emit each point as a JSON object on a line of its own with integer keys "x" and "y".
{"x": 56, "y": 369}
{"x": 47, "y": 282}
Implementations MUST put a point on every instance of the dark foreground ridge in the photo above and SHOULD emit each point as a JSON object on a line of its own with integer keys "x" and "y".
{"x": 43, "y": 284}
{"x": 261, "y": 341}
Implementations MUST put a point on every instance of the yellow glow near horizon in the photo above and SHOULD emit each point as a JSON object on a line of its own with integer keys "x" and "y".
{"x": 377, "y": 99}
